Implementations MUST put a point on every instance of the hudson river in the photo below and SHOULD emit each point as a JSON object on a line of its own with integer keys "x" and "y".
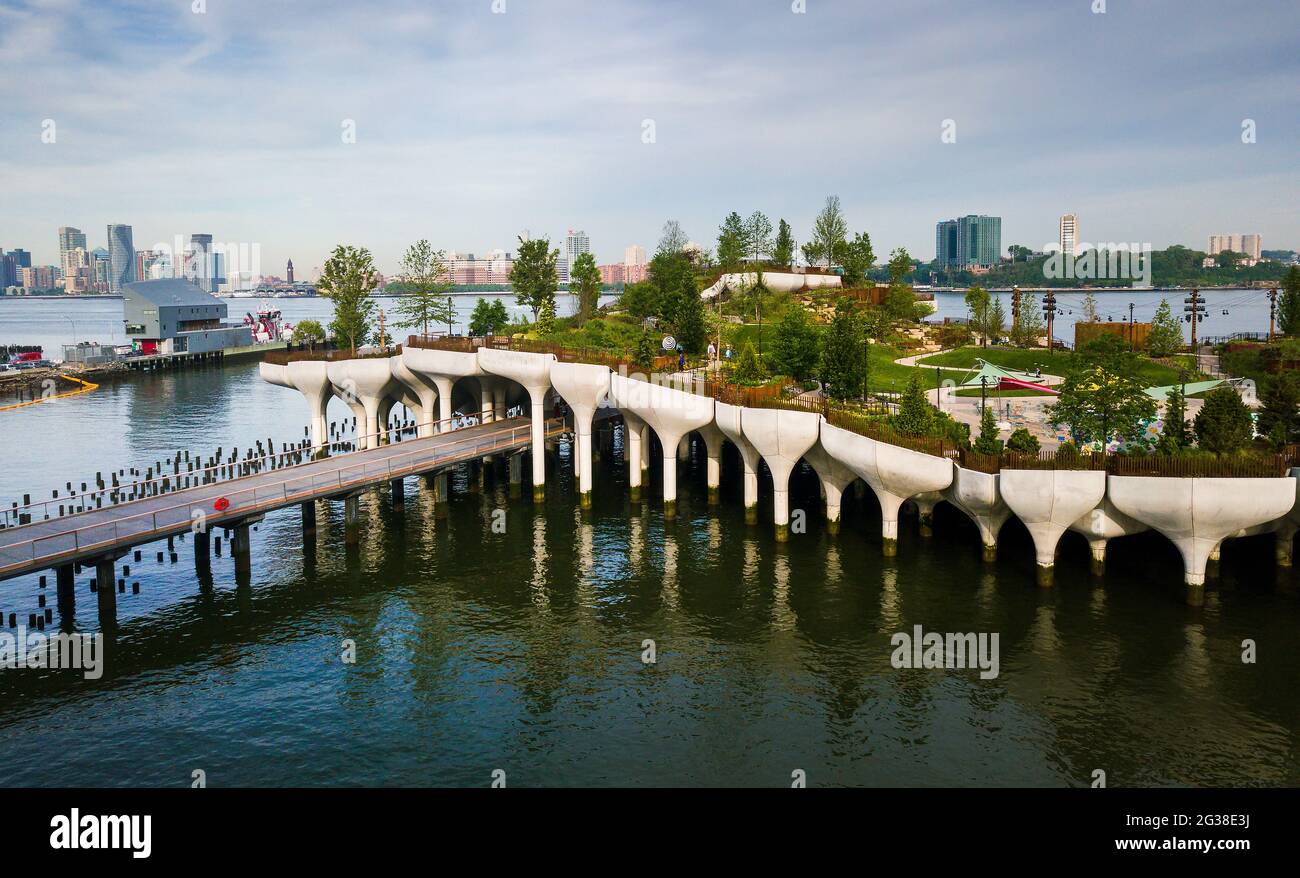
{"x": 522, "y": 651}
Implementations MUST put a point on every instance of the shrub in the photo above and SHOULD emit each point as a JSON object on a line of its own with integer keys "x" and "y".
{"x": 1022, "y": 441}
{"x": 1223, "y": 425}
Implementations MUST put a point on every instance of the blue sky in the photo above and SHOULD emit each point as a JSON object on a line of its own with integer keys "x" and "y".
{"x": 473, "y": 125}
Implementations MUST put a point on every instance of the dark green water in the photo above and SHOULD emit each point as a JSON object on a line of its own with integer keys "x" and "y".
{"x": 521, "y": 651}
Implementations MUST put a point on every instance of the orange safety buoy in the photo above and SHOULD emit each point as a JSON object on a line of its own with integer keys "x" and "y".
{"x": 221, "y": 504}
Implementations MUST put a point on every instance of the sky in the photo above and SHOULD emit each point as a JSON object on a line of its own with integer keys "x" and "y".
{"x": 477, "y": 119}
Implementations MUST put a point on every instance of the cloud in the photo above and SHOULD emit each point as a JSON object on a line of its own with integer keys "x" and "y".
{"x": 471, "y": 125}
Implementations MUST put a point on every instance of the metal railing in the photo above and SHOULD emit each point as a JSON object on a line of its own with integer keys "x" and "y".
{"x": 130, "y": 530}
{"x": 225, "y": 471}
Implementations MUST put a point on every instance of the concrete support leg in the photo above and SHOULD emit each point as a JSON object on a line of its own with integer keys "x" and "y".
{"x": 516, "y": 468}
{"x": 444, "y": 404}
{"x": 320, "y": 428}
{"x": 1046, "y": 535}
{"x": 670, "y": 482}
{"x": 539, "y": 445}
{"x": 352, "y": 519}
{"x": 833, "y": 497}
{"x": 397, "y": 487}
{"x": 781, "y": 510}
{"x": 632, "y": 451}
{"x": 202, "y": 552}
{"x": 1212, "y": 563}
{"x": 67, "y": 588}
{"x": 684, "y": 449}
{"x": 889, "y": 506}
{"x": 308, "y": 517}
{"x": 715, "y": 474}
{"x": 1097, "y": 566}
{"x": 925, "y": 514}
{"x": 106, "y": 591}
{"x": 441, "y": 494}
{"x": 241, "y": 550}
{"x": 751, "y": 494}
{"x": 1285, "y": 540}
{"x": 584, "y": 458}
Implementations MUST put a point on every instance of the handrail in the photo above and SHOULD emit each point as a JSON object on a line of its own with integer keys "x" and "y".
{"x": 476, "y": 448}
{"x": 474, "y": 421}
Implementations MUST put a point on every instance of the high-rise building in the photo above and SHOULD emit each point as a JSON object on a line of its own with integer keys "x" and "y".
{"x": 1249, "y": 244}
{"x": 201, "y": 268}
{"x": 575, "y": 244}
{"x": 121, "y": 257}
{"x": 1069, "y": 238}
{"x": 634, "y": 255}
{"x": 968, "y": 241}
{"x": 153, "y": 265}
{"x": 288, "y": 272}
{"x": 70, "y": 241}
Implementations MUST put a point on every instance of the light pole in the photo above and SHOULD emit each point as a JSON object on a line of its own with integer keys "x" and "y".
{"x": 451, "y": 314}
{"x": 1132, "y": 330}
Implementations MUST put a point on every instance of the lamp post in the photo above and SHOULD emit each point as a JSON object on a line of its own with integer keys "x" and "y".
{"x": 1132, "y": 330}
{"x": 451, "y": 314}
{"x": 984, "y": 389}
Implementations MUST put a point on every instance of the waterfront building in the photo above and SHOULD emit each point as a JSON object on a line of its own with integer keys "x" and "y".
{"x": 39, "y": 277}
{"x": 973, "y": 240}
{"x": 12, "y": 265}
{"x": 1251, "y": 245}
{"x": 620, "y": 273}
{"x": 175, "y": 316}
{"x": 121, "y": 257}
{"x": 70, "y": 242}
{"x": 1069, "y": 234}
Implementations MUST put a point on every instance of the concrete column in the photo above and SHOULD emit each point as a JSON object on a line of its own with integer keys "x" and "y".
{"x": 444, "y": 403}
{"x": 397, "y": 488}
{"x": 538, "y": 446}
{"x": 106, "y": 590}
{"x": 925, "y": 511}
{"x": 241, "y": 549}
{"x": 632, "y": 453}
{"x": 1285, "y": 537}
{"x": 486, "y": 409}
{"x": 516, "y": 474}
{"x": 66, "y": 588}
{"x": 782, "y": 438}
{"x": 441, "y": 494}
{"x": 713, "y": 439}
{"x": 308, "y": 517}
{"x": 203, "y": 551}
{"x": 584, "y": 387}
{"x": 352, "y": 519}
{"x": 728, "y": 420}
{"x": 1097, "y": 565}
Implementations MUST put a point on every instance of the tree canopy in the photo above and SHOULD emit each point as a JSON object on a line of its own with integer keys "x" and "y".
{"x": 348, "y": 280}
{"x": 533, "y": 275}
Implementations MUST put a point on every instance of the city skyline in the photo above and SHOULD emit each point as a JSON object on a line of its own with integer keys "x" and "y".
{"x": 1165, "y": 164}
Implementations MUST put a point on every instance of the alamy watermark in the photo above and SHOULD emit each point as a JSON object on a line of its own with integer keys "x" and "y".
{"x": 951, "y": 650}
{"x": 31, "y": 649}
{"x": 1110, "y": 261}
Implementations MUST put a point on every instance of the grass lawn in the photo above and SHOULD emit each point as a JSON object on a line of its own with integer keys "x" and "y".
{"x": 1057, "y": 363}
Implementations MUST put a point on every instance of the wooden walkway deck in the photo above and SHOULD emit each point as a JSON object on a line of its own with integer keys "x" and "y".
{"x": 103, "y": 531}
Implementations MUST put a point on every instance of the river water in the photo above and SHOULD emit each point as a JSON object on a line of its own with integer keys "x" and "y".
{"x": 522, "y": 651}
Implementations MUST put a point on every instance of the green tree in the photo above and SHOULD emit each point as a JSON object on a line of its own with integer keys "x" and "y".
{"x": 1279, "y": 417}
{"x": 1021, "y": 441}
{"x": 995, "y": 320}
{"x": 646, "y": 351}
{"x": 731, "y": 243}
{"x": 900, "y": 302}
{"x": 857, "y": 257}
{"x": 641, "y": 300}
{"x": 1288, "y": 305}
{"x": 758, "y": 235}
{"x": 309, "y": 333}
{"x": 1166, "y": 336}
{"x": 672, "y": 239}
{"x": 900, "y": 265}
{"x": 425, "y": 278}
{"x": 749, "y": 369}
{"x": 1028, "y": 327}
{"x": 1097, "y": 404}
{"x": 679, "y": 299}
{"x": 348, "y": 281}
{"x": 915, "y": 416}
{"x": 829, "y": 232}
{"x": 987, "y": 442}
{"x": 1175, "y": 434}
{"x": 546, "y": 318}
{"x": 1090, "y": 308}
{"x": 488, "y": 318}
{"x": 845, "y": 361}
{"x": 978, "y": 303}
{"x": 796, "y": 349}
{"x": 783, "y": 248}
{"x": 533, "y": 276}
{"x": 1223, "y": 425}
{"x": 584, "y": 282}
